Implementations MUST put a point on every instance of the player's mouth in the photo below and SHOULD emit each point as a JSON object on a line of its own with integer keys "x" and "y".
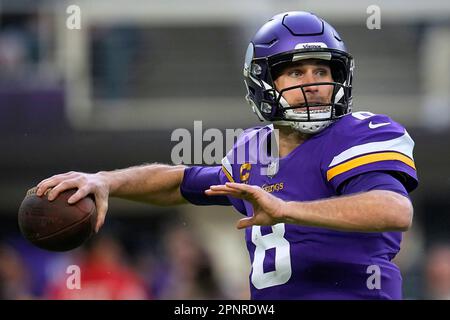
{"x": 313, "y": 109}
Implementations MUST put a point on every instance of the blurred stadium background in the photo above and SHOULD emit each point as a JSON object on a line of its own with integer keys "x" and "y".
{"x": 109, "y": 96}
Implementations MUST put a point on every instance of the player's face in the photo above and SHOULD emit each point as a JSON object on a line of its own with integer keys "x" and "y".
{"x": 305, "y": 72}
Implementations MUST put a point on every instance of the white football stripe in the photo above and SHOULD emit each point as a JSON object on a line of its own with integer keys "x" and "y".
{"x": 403, "y": 144}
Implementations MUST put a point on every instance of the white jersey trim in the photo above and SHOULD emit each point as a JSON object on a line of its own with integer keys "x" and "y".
{"x": 227, "y": 165}
{"x": 403, "y": 144}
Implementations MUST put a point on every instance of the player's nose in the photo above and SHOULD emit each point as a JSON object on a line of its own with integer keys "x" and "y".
{"x": 309, "y": 81}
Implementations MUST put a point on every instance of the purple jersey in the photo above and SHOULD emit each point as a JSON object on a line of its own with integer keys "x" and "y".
{"x": 298, "y": 262}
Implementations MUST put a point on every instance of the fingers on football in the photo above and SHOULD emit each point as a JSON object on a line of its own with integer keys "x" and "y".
{"x": 45, "y": 184}
{"x": 80, "y": 194}
{"x": 63, "y": 186}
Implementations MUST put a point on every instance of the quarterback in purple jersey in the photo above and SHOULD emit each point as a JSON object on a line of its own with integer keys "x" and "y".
{"x": 324, "y": 190}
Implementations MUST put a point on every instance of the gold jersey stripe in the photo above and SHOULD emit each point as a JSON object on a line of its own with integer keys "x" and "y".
{"x": 366, "y": 159}
{"x": 229, "y": 176}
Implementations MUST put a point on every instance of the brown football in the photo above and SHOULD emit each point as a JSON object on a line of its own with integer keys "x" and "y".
{"x": 56, "y": 225}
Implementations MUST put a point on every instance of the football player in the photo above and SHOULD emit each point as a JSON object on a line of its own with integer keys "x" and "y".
{"x": 324, "y": 216}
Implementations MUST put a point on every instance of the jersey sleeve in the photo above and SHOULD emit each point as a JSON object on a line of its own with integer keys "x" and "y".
{"x": 365, "y": 142}
{"x": 369, "y": 181}
{"x": 197, "y": 179}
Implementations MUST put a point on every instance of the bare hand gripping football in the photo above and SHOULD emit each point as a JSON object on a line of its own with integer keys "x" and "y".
{"x": 56, "y": 225}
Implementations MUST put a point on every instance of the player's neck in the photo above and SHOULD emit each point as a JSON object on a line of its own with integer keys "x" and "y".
{"x": 289, "y": 139}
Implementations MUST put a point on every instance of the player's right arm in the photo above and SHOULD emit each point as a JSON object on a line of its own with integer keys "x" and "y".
{"x": 156, "y": 184}
{"x": 153, "y": 183}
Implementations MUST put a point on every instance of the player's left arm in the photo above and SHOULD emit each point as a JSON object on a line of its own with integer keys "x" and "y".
{"x": 370, "y": 211}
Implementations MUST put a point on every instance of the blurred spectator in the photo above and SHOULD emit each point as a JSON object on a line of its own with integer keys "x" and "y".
{"x": 14, "y": 281}
{"x": 104, "y": 275}
{"x": 13, "y": 57}
{"x": 41, "y": 265}
{"x": 410, "y": 261}
{"x": 437, "y": 273}
{"x": 189, "y": 273}
{"x": 27, "y": 55}
{"x": 114, "y": 51}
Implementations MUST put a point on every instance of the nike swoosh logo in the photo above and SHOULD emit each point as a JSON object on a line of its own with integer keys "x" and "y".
{"x": 377, "y": 125}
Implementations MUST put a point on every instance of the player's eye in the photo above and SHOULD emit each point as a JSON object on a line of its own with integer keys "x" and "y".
{"x": 295, "y": 73}
{"x": 322, "y": 72}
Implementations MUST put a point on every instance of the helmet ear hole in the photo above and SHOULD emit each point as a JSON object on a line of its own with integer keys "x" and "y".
{"x": 337, "y": 71}
{"x": 278, "y": 69}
